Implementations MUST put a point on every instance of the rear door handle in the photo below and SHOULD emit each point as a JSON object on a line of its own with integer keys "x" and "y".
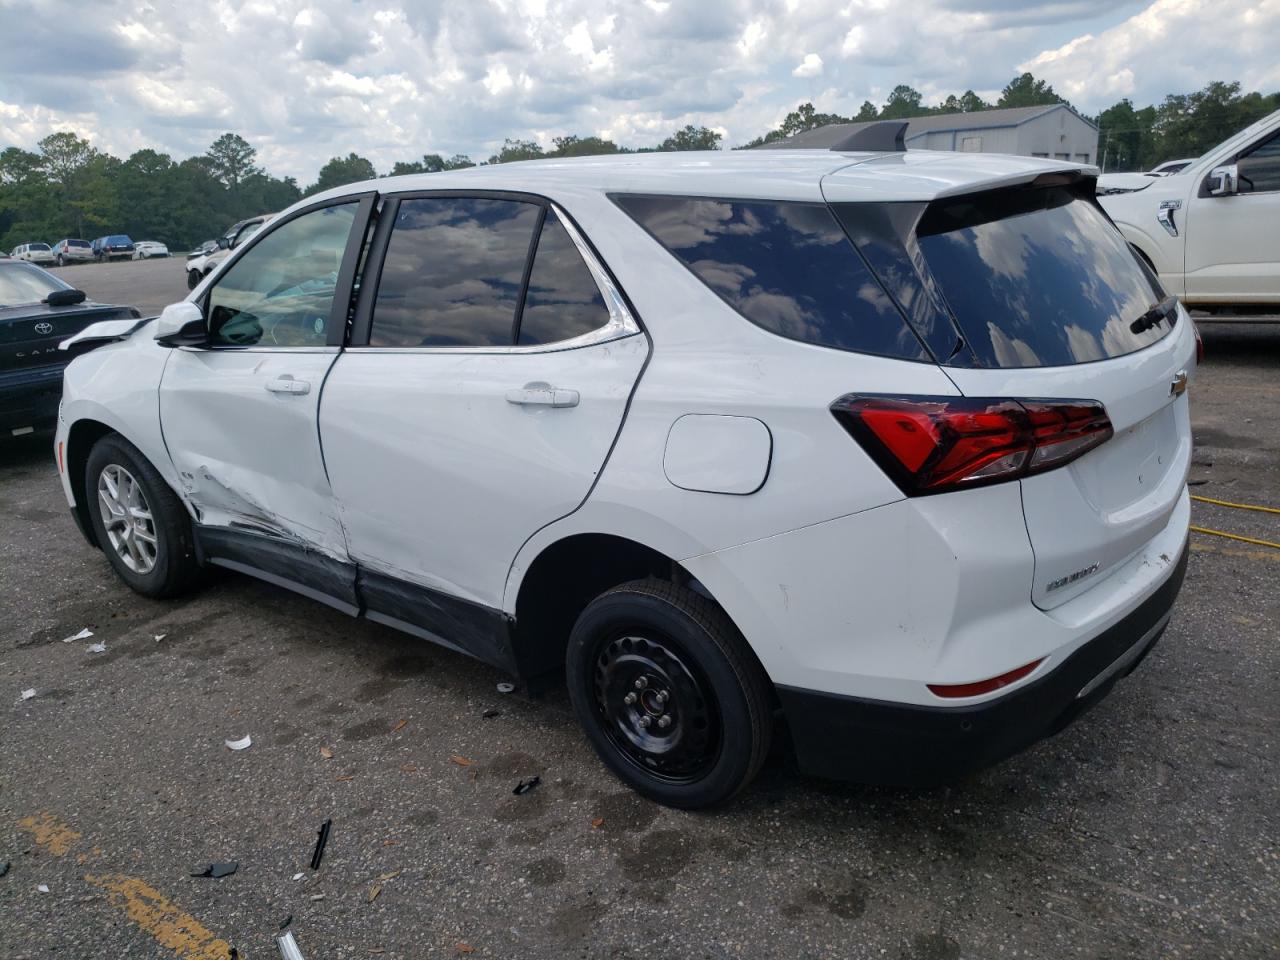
{"x": 286, "y": 384}
{"x": 543, "y": 394}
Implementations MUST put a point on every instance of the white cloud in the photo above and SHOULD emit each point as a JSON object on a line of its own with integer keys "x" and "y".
{"x": 811, "y": 66}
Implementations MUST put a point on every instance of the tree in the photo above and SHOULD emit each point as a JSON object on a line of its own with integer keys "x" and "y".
{"x": 1027, "y": 91}
{"x": 690, "y": 137}
{"x": 513, "y": 150}
{"x": 431, "y": 163}
{"x": 1125, "y": 137}
{"x": 904, "y": 102}
{"x": 571, "y": 145}
{"x": 231, "y": 159}
{"x": 867, "y": 111}
{"x": 343, "y": 170}
{"x": 970, "y": 102}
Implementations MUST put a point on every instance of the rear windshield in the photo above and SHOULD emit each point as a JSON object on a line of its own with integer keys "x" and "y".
{"x": 77, "y": 243}
{"x": 119, "y": 238}
{"x": 22, "y": 283}
{"x": 37, "y": 246}
{"x": 1039, "y": 277}
{"x": 786, "y": 266}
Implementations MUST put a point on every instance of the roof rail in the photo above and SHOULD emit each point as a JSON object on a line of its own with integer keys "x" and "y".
{"x": 883, "y": 136}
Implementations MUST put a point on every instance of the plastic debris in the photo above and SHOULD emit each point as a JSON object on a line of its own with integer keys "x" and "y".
{"x": 373, "y": 892}
{"x": 505, "y": 687}
{"x": 288, "y": 946}
{"x": 326, "y": 752}
{"x": 322, "y": 840}
{"x": 219, "y": 870}
{"x": 84, "y": 634}
{"x": 399, "y": 726}
{"x": 490, "y": 714}
{"x": 461, "y": 761}
{"x": 287, "y": 920}
{"x": 42, "y": 888}
{"x": 160, "y": 636}
{"x": 524, "y": 786}
{"x": 597, "y": 823}
{"x": 26, "y": 694}
{"x": 242, "y": 744}
{"x": 317, "y": 896}
{"x": 97, "y": 648}
{"x": 298, "y": 876}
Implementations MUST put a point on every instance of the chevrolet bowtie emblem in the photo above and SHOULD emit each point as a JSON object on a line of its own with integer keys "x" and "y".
{"x": 1178, "y": 386}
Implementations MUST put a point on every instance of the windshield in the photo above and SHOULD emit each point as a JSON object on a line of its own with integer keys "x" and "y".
{"x": 1040, "y": 277}
{"x": 21, "y": 283}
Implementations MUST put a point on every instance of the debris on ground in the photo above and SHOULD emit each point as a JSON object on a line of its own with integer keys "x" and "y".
{"x": 464, "y": 947}
{"x": 4, "y": 867}
{"x": 505, "y": 687}
{"x": 326, "y": 752}
{"x": 399, "y": 726}
{"x": 160, "y": 636}
{"x": 490, "y": 714}
{"x": 26, "y": 694}
{"x": 288, "y": 946}
{"x": 597, "y": 823}
{"x": 97, "y": 648}
{"x": 219, "y": 870}
{"x": 461, "y": 761}
{"x": 84, "y": 634}
{"x": 524, "y": 786}
{"x": 42, "y": 887}
{"x": 373, "y": 892}
{"x": 287, "y": 920}
{"x": 345, "y": 778}
{"x": 317, "y": 896}
{"x": 322, "y": 840}
{"x": 298, "y": 876}
{"x": 244, "y": 743}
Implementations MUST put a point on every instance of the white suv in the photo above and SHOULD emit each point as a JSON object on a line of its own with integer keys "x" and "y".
{"x": 892, "y": 446}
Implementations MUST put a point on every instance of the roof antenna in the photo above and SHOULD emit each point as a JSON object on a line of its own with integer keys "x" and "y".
{"x": 883, "y": 136}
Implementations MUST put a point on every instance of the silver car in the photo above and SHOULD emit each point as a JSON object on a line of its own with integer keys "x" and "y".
{"x": 72, "y": 251}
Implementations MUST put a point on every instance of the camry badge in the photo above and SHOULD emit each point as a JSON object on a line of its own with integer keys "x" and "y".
{"x": 44, "y": 329}
{"x": 1178, "y": 386}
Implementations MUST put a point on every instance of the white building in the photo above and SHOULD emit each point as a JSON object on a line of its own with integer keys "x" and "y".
{"x": 1054, "y": 131}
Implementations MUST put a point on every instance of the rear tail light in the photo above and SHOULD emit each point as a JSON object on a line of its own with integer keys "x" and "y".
{"x": 980, "y": 687}
{"x": 933, "y": 444}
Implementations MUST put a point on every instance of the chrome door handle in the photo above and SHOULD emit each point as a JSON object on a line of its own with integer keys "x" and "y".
{"x": 286, "y": 384}
{"x": 539, "y": 393}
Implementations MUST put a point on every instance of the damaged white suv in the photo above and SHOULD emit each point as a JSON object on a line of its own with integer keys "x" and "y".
{"x": 892, "y": 446}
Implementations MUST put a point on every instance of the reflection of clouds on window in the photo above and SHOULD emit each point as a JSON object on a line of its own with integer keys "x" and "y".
{"x": 1084, "y": 344}
{"x": 786, "y": 266}
{"x": 1011, "y": 352}
{"x": 563, "y": 301}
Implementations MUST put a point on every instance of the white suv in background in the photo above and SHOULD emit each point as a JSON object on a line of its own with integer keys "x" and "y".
{"x": 201, "y": 265}
{"x": 892, "y": 446}
{"x": 34, "y": 253}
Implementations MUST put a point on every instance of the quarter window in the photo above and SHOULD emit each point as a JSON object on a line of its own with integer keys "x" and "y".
{"x": 563, "y": 300}
{"x": 280, "y": 293}
{"x": 453, "y": 273}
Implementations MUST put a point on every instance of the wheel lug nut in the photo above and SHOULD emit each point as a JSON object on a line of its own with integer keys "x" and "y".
{"x": 661, "y": 696}
{"x": 664, "y": 721}
{"x": 629, "y": 699}
{"x": 642, "y": 682}
{"x": 645, "y": 721}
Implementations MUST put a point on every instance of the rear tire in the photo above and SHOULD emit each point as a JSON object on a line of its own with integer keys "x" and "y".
{"x": 668, "y": 693}
{"x": 138, "y": 520}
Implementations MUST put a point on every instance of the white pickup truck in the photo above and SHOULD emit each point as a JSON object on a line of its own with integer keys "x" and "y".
{"x": 1212, "y": 230}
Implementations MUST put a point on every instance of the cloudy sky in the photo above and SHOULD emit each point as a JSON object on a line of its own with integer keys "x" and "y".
{"x": 392, "y": 79}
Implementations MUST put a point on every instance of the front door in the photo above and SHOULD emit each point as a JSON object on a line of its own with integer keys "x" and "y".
{"x": 490, "y": 372}
{"x": 1233, "y": 241}
{"x": 239, "y": 414}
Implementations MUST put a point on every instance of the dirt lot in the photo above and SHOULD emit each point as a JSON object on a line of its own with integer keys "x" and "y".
{"x": 1148, "y": 829}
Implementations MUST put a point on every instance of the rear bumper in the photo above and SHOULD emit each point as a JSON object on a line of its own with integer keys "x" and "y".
{"x": 874, "y": 741}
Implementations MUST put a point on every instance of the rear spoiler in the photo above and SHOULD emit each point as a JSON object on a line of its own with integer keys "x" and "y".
{"x": 105, "y": 331}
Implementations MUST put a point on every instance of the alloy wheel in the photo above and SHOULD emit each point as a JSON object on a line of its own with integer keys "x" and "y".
{"x": 126, "y": 518}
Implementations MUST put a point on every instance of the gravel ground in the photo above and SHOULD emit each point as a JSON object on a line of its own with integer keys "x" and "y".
{"x": 1147, "y": 829}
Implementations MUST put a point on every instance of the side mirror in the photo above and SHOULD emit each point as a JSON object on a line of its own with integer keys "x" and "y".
{"x": 1223, "y": 181}
{"x": 224, "y": 243}
{"x": 182, "y": 325}
{"x": 64, "y": 298}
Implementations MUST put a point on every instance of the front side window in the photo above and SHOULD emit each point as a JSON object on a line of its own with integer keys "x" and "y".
{"x": 280, "y": 293}
{"x": 453, "y": 272}
{"x": 786, "y": 266}
{"x": 1259, "y": 169}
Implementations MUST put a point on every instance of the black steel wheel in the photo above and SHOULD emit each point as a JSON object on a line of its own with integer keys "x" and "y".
{"x": 669, "y": 694}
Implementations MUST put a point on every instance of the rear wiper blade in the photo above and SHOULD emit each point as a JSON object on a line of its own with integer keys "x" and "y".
{"x": 1166, "y": 309}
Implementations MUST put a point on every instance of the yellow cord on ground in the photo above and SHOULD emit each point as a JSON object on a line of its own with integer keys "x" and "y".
{"x": 1236, "y": 536}
{"x": 1237, "y": 506}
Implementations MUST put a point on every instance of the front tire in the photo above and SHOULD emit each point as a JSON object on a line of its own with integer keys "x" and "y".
{"x": 670, "y": 696}
{"x": 138, "y": 520}
{"x": 193, "y": 279}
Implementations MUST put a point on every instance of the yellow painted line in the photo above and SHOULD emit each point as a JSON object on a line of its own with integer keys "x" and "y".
{"x": 1272, "y": 555}
{"x": 1236, "y": 536}
{"x": 50, "y": 832}
{"x": 1237, "y": 506}
{"x": 162, "y": 919}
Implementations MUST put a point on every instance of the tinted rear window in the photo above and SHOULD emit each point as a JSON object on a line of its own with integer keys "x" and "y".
{"x": 38, "y": 246}
{"x": 786, "y": 266}
{"x": 77, "y": 243}
{"x": 1038, "y": 278}
{"x": 119, "y": 238}
{"x": 563, "y": 300}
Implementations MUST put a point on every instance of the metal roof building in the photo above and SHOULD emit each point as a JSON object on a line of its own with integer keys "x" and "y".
{"x": 1055, "y": 131}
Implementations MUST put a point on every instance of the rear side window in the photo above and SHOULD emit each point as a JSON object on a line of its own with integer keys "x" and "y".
{"x": 563, "y": 300}
{"x": 1039, "y": 277}
{"x": 786, "y": 266}
{"x": 453, "y": 273}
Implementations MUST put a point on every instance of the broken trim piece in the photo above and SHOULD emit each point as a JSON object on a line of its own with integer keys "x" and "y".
{"x": 105, "y": 331}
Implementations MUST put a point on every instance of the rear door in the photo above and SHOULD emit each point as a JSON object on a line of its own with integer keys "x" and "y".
{"x": 1053, "y": 305}
{"x": 489, "y": 372}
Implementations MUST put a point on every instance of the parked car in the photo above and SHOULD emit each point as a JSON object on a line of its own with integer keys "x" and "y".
{"x": 114, "y": 247}
{"x": 892, "y": 445}
{"x": 1170, "y": 167}
{"x": 200, "y": 267}
{"x": 37, "y": 310}
{"x": 207, "y": 247}
{"x": 72, "y": 251}
{"x": 33, "y": 253}
{"x": 146, "y": 249}
{"x": 1211, "y": 231}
